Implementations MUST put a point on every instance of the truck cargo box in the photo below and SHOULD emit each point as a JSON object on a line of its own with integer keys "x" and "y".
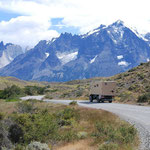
{"x": 103, "y": 89}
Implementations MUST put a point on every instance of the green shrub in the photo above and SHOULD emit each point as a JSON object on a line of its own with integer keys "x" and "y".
{"x": 15, "y": 133}
{"x": 82, "y": 135}
{"x": 12, "y": 100}
{"x": 133, "y": 87}
{"x": 144, "y": 98}
{"x": 119, "y": 76}
{"x": 126, "y": 74}
{"x": 1, "y": 116}
{"x": 64, "y": 95}
{"x": 73, "y": 103}
{"x": 79, "y": 93}
{"x": 68, "y": 136}
{"x": 141, "y": 76}
{"x": 67, "y": 116}
{"x": 126, "y": 95}
{"x": 11, "y": 92}
{"x": 122, "y": 134}
{"x": 132, "y": 70}
{"x": 34, "y": 127}
{"x": 26, "y": 107}
{"x": 109, "y": 146}
{"x": 53, "y": 90}
{"x": 19, "y": 147}
{"x": 32, "y": 90}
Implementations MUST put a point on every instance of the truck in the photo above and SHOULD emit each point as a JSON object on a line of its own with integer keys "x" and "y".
{"x": 102, "y": 91}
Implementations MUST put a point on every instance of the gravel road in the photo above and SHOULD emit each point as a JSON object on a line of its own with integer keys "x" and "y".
{"x": 136, "y": 115}
{"x": 40, "y": 97}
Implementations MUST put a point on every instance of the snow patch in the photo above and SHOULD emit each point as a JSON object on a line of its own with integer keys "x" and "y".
{"x": 93, "y": 31}
{"x": 47, "y": 54}
{"x": 123, "y": 63}
{"x": 66, "y": 57}
{"x": 50, "y": 41}
{"x": 92, "y": 60}
{"x": 134, "y": 30}
{"x": 120, "y": 57}
{"x": 116, "y": 33}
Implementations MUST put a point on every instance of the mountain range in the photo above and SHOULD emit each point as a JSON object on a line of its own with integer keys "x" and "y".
{"x": 8, "y": 52}
{"x": 104, "y": 51}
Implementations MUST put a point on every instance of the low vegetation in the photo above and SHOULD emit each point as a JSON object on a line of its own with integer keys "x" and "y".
{"x": 13, "y": 93}
{"x": 9, "y": 81}
{"x": 32, "y": 123}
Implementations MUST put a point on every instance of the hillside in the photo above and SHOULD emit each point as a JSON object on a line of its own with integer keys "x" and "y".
{"x": 130, "y": 85}
{"x": 134, "y": 83}
{"x": 9, "y": 81}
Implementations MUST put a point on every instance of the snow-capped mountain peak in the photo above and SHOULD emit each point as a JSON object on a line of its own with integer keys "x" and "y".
{"x": 104, "y": 51}
{"x": 118, "y": 23}
{"x": 94, "y": 31}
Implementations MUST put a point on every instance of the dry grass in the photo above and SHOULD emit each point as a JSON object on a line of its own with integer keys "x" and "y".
{"x": 87, "y": 119}
{"x": 78, "y": 145}
{"x": 7, "y": 108}
{"x": 9, "y": 81}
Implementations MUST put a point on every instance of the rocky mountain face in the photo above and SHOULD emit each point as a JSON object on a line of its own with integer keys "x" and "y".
{"x": 8, "y": 52}
{"x": 105, "y": 51}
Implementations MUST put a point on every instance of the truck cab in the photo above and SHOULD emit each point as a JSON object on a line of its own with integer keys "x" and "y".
{"x": 102, "y": 91}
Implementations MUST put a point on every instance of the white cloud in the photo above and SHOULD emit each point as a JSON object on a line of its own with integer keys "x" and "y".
{"x": 26, "y": 30}
{"x": 85, "y": 14}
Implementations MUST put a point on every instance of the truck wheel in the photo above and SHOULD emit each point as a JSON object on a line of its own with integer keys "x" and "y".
{"x": 91, "y": 98}
{"x": 110, "y": 101}
{"x": 98, "y": 100}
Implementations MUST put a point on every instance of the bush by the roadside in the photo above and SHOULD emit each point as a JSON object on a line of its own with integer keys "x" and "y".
{"x": 1, "y": 116}
{"x": 11, "y": 92}
{"x": 26, "y": 107}
{"x": 73, "y": 103}
{"x": 67, "y": 116}
{"x": 37, "y": 127}
{"x": 144, "y": 98}
{"x": 109, "y": 146}
{"x": 122, "y": 134}
{"x": 32, "y": 90}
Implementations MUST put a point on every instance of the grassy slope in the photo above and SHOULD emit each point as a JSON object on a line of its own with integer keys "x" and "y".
{"x": 133, "y": 83}
{"x": 130, "y": 85}
{"x": 8, "y": 81}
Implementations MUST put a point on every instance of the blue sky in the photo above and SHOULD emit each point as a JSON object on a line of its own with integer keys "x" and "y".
{"x": 57, "y": 24}
{"x": 26, "y": 22}
{"x": 6, "y": 16}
